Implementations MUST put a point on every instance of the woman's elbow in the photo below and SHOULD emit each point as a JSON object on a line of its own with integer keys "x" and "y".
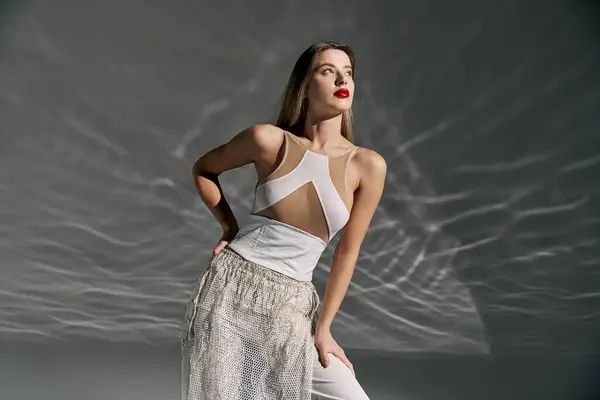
{"x": 199, "y": 167}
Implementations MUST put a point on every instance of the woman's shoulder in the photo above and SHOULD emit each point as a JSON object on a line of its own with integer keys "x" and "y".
{"x": 266, "y": 136}
{"x": 369, "y": 162}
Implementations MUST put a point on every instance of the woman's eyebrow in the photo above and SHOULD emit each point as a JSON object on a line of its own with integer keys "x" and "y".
{"x": 331, "y": 65}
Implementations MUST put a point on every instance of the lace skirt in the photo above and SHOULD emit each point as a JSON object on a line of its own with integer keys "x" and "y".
{"x": 247, "y": 333}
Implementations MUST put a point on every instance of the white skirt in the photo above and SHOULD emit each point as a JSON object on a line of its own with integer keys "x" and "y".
{"x": 248, "y": 333}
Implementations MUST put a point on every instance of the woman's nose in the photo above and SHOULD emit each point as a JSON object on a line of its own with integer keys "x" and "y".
{"x": 341, "y": 80}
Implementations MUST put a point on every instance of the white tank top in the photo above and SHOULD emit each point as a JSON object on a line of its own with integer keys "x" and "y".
{"x": 298, "y": 208}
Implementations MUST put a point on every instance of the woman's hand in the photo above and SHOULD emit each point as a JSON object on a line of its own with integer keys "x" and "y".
{"x": 325, "y": 344}
{"x": 224, "y": 241}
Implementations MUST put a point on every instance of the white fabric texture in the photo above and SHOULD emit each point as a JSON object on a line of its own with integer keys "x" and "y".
{"x": 278, "y": 246}
{"x": 248, "y": 335}
{"x": 313, "y": 168}
{"x": 335, "y": 382}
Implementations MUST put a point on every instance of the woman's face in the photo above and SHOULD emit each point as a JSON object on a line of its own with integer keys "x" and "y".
{"x": 331, "y": 86}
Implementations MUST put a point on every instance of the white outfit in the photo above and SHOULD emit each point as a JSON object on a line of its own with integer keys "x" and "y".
{"x": 248, "y": 328}
{"x": 282, "y": 246}
{"x": 278, "y": 246}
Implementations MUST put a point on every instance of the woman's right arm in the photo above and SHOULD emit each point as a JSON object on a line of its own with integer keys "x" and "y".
{"x": 251, "y": 145}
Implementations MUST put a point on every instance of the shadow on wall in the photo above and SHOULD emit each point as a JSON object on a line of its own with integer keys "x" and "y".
{"x": 8, "y": 9}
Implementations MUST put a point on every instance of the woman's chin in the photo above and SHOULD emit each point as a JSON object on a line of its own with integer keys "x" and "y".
{"x": 340, "y": 106}
{"x": 331, "y": 109}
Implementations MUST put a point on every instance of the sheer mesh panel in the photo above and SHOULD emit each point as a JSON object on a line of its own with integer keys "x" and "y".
{"x": 302, "y": 208}
{"x": 247, "y": 334}
{"x": 338, "y": 171}
{"x": 289, "y": 160}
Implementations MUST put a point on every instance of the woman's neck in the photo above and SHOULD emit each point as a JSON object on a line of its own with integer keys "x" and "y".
{"x": 323, "y": 133}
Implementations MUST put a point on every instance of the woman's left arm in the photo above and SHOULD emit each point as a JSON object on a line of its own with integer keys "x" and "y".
{"x": 372, "y": 171}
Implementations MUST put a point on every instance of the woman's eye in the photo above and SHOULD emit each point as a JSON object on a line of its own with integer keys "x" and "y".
{"x": 330, "y": 70}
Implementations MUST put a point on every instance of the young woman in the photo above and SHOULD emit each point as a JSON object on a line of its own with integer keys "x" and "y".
{"x": 250, "y": 330}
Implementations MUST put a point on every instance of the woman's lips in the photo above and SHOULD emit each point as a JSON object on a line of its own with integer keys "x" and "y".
{"x": 342, "y": 93}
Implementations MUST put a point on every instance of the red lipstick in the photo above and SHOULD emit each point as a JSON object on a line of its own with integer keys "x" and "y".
{"x": 342, "y": 93}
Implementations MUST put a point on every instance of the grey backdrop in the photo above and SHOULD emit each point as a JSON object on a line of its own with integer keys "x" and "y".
{"x": 480, "y": 275}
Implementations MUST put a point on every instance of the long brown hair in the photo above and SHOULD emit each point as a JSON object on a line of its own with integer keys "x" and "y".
{"x": 292, "y": 113}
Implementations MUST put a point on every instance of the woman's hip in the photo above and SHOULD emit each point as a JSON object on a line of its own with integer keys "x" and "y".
{"x": 244, "y": 294}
